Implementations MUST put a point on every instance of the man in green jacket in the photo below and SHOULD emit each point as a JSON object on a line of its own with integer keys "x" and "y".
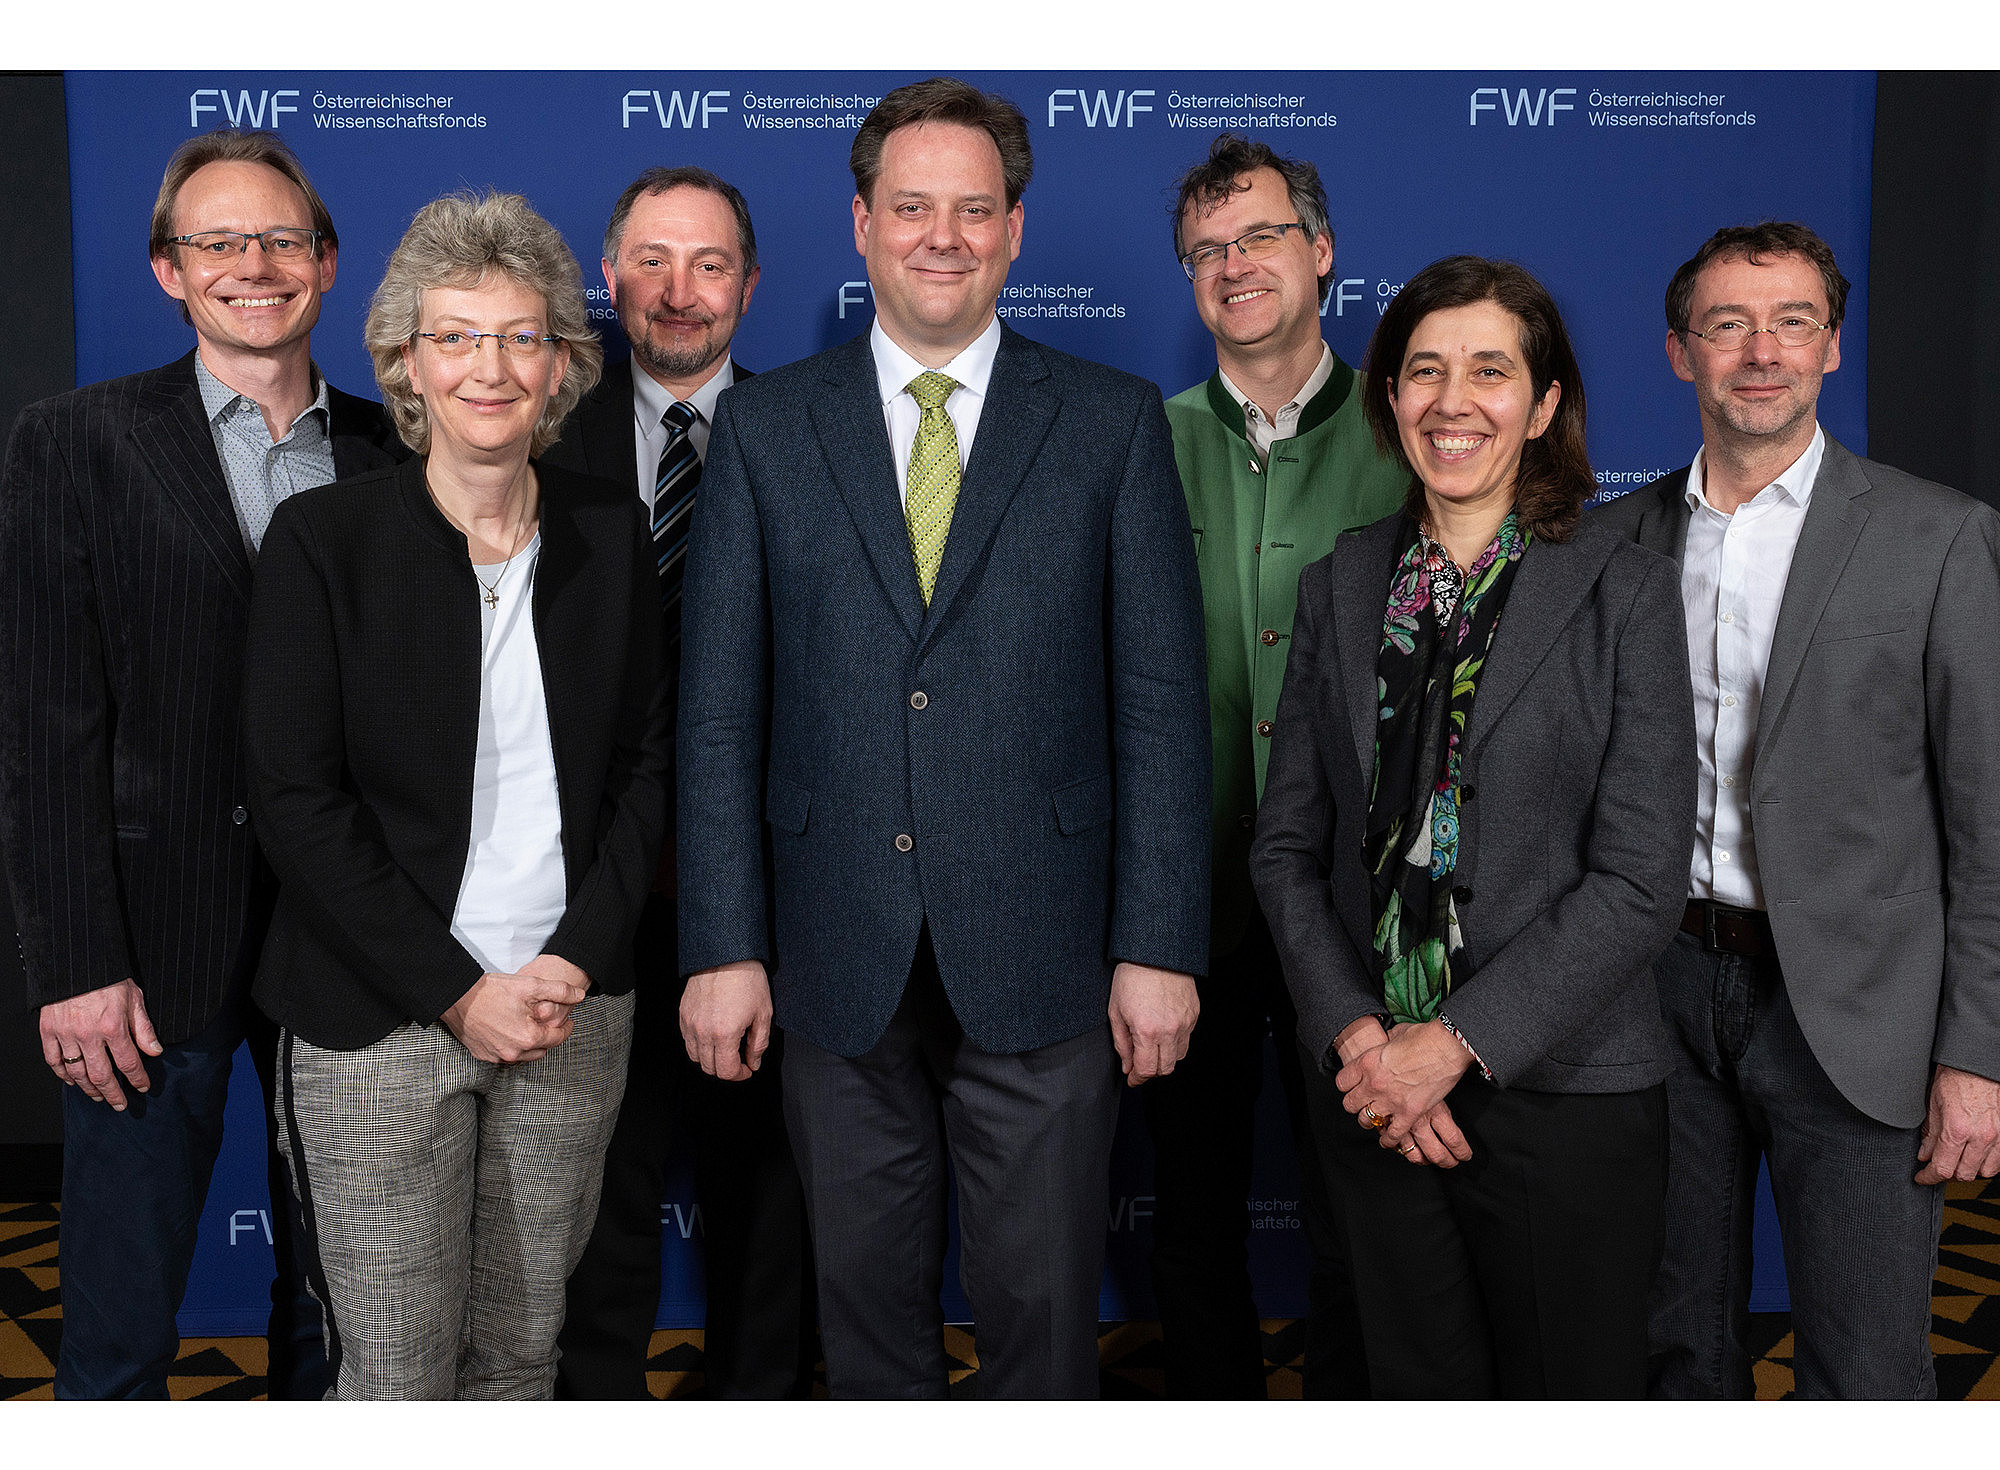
{"x": 1277, "y": 461}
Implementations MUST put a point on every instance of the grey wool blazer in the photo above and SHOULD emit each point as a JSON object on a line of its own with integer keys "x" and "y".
{"x": 1877, "y": 760}
{"x": 1578, "y": 804}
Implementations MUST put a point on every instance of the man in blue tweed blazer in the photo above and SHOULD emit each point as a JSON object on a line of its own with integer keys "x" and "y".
{"x": 944, "y": 772}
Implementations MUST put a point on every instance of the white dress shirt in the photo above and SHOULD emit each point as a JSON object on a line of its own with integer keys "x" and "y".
{"x": 650, "y": 403}
{"x": 1732, "y": 584}
{"x": 895, "y": 369}
{"x": 1263, "y": 432}
{"x": 513, "y": 893}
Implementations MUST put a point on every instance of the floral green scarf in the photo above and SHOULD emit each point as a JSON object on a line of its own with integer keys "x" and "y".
{"x": 1435, "y": 638}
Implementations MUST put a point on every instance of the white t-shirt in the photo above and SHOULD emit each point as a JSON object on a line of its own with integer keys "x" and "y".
{"x": 513, "y": 893}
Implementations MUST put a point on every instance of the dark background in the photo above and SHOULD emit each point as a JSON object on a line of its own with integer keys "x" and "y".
{"x": 1933, "y": 375}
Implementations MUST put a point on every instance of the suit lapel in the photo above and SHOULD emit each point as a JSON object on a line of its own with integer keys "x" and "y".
{"x": 1833, "y": 523}
{"x": 1663, "y": 525}
{"x": 1550, "y": 582}
{"x": 173, "y": 437}
{"x": 606, "y": 430}
{"x": 855, "y": 441}
{"x": 1360, "y": 571}
{"x": 1013, "y": 422}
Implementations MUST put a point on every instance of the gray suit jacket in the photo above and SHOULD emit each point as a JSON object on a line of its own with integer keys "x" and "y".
{"x": 1877, "y": 759}
{"x": 1579, "y": 794}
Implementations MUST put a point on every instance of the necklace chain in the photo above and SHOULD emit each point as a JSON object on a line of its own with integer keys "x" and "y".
{"x": 492, "y": 588}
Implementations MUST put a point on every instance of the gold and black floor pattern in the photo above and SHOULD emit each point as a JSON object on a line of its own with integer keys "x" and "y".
{"x": 1965, "y": 1327}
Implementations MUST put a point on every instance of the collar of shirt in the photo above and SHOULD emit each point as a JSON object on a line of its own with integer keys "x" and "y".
{"x": 1795, "y": 484}
{"x": 650, "y": 403}
{"x": 222, "y": 402}
{"x": 972, "y": 369}
{"x": 1264, "y": 434}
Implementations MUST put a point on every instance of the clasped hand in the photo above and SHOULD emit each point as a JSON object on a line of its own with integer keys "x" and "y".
{"x": 1405, "y": 1074}
{"x": 520, "y": 1017}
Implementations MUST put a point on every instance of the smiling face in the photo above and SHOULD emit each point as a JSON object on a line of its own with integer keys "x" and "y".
{"x": 1254, "y": 305}
{"x": 1762, "y": 390}
{"x": 679, "y": 283}
{"x": 938, "y": 237}
{"x": 248, "y": 303}
{"x": 484, "y": 408}
{"x": 1465, "y": 405}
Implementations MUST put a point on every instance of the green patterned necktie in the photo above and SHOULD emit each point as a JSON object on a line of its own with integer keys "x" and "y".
{"x": 933, "y": 487}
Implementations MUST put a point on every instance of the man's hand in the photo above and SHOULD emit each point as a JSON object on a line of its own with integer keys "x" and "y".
{"x": 1404, "y": 1080}
{"x": 1152, "y": 1016}
{"x": 497, "y": 1018}
{"x": 726, "y": 1019}
{"x": 1962, "y": 1134}
{"x": 89, "y": 1039}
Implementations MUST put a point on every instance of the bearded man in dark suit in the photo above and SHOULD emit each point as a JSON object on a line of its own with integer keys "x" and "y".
{"x": 680, "y": 259}
{"x": 130, "y": 518}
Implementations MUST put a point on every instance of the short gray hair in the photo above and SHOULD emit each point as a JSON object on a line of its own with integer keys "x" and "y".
{"x": 457, "y": 241}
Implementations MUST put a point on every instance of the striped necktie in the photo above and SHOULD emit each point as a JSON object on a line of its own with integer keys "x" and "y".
{"x": 673, "y": 509}
{"x": 933, "y": 480}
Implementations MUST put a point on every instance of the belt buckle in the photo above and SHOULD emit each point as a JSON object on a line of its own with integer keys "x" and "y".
{"x": 1713, "y": 917}
{"x": 1710, "y": 941}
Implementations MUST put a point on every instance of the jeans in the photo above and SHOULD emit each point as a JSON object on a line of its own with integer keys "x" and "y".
{"x": 134, "y": 1184}
{"x": 1861, "y": 1237}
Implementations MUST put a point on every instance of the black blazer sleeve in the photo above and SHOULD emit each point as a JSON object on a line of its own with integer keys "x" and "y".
{"x": 326, "y": 845}
{"x": 57, "y": 820}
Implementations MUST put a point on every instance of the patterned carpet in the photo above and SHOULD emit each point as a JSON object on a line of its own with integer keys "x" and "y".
{"x": 1965, "y": 1326}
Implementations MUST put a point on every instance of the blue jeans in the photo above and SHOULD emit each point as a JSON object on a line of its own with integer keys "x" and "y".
{"x": 133, "y": 1188}
{"x": 1861, "y": 1237}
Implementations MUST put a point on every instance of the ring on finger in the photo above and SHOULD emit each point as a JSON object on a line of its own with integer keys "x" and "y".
{"x": 1409, "y": 1148}
{"x": 68, "y": 1061}
{"x": 1372, "y": 1119}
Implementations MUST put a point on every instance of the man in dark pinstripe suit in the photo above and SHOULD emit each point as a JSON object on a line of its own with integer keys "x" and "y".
{"x": 130, "y": 516}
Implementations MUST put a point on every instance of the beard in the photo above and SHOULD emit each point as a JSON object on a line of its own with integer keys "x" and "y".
{"x": 682, "y": 360}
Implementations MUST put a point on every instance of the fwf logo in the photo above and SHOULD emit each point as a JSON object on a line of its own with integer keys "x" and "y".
{"x": 240, "y": 110}
{"x": 1519, "y": 109}
{"x": 1100, "y": 109}
{"x": 674, "y": 110}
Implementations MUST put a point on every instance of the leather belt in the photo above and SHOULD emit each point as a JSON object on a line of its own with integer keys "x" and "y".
{"x": 1723, "y": 929}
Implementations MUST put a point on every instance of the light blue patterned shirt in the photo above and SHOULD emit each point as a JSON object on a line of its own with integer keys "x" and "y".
{"x": 260, "y": 471}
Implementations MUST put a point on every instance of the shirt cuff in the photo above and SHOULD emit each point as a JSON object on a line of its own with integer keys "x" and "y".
{"x": 1471, "y": 1051}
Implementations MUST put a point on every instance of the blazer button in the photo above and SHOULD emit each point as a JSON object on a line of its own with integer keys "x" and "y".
{"x": 1264, "y": 728}
{"x": 1466, "y": 793}
{"x": 239, "y": 816}
{"x": 1246, "y": 821}
{"x": 919, "y": 700}
{"x": 904, "y": 842}
{"x": 1269, "y": 637}
{"x": 1462, "y": 893}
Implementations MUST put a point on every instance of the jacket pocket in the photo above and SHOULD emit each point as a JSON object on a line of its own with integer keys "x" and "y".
{"x": 786, "y": 804}
{"x": 1083, "y": 804}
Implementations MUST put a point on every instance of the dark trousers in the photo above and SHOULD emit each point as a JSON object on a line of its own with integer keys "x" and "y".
{"x": 1029, "y": 1136}
{"x": 759, "y": 1341}
{"x": 1861, "y": 1236}
{"x": 1202, "y": 1117}
{"x": 134, "y": 1184}
{"x": 1520, "y": 1274}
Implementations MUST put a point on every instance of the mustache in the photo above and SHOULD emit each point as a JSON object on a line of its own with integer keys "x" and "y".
{"x": 693, "y": 318}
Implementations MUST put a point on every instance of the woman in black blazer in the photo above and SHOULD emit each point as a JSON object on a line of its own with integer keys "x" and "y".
{"x": 1472, "y": 845}
{"x": 458, "y": 744}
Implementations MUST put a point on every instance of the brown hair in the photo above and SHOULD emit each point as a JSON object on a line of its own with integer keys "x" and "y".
{"x": 1554, "y": 479}
{"x": 945, "y": 100}
{"x": 228, "y": 145}
{"x": 1230, "y": 157}
{"x": 658, "y": 180}
{"x": 1751, "y": 242}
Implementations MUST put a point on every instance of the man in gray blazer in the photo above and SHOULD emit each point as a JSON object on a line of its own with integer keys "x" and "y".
{"x": 1836, "y": 987}
{"x": 944, "y": 772}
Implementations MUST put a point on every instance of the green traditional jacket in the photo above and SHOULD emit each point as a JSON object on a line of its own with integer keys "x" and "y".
{"x": 1255, "y": 530}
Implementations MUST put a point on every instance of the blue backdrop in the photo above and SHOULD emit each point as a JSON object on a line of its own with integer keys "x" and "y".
{"x": 1601, "y": 182}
